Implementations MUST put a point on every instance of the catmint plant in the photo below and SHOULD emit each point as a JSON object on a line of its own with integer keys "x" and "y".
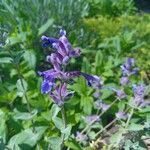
{"x": 56, "y": 80}
{"x": 123, "y": 116}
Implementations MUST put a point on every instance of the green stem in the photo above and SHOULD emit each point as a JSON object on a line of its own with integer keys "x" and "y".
{"x": 129, "y": 118}
{"x": 65, "y": 125}
{"x": 24, "y": 92}
{"x": 25, "y": 95}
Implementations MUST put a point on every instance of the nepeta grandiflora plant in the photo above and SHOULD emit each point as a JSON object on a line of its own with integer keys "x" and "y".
{"x": 56, "y": 80}
{"x": 122, "y": 118}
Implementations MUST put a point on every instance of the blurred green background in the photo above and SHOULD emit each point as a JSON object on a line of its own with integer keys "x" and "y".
{"x": 106, "y": 30}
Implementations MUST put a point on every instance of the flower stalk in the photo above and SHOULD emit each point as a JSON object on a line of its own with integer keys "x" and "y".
{"x": 65, "y": 125}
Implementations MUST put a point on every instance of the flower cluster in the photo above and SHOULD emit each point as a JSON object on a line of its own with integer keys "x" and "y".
{"x": 60, "y": 58}
{"x": 121, "y": 115}
{"x": 127, "y": 70}
{"x": 139, "y": 95}
{"x": 91, "y": 119}
{"x": 128, "y": 67}
{"x": 101, "y": 105}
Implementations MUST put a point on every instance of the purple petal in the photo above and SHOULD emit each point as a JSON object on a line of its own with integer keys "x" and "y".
{"x": 75, "y": 53}
{"x": 63, "y": 89}
{"x": 124, "y": 81}
{"x": 81, "y": 137}
{"x": 57, "y": 100}
{"x": 121, "y": 115}
{"x": 66, "y": 43}
{"x": 121, "y": 94}
{"x": 93, "y": 81}
{"x": 96, "y": 94}
{"x": 65, "y": 60}
{"x": 138, "y": 89}
{"x": 46, "y": 87}
{"x": 48, "y": 41}
{"x": 92, "y": 119}
{"x": 62, "y": 32}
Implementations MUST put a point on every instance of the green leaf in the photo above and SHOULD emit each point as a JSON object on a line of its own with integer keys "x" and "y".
{"x": 24, "y": 115}
{"x": 58, "y": 123}
{"x": 67, "y": 131}
{"x": 2, "y": 144}
{"x": 6, "y": 60}
{"x": 44, "y": 27}
{"x": 55, "y": 143}
{"x": 87, "y": 104}
{"x": 17, "y": 56}
{"x": 30, "y": 58}
{"x": 21, "y": 87}
{"x": 26, "y": 137}
{"x": 72, "y": 144}
{"x": 135, "y": 127}
{"x": 3, "y": 128}
{"x": 117, "y": 137}
{"x": 55, "y": 110}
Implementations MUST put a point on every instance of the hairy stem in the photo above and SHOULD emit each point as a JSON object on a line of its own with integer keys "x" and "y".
{"x": 65, "y": 125}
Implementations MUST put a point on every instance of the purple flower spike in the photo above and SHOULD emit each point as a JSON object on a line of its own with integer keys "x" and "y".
{"x": 60, "y": 94}
{"x": 124, "y": 81}
{"x": 143, "y": 104}
{"x": 105, "y": 107}
{"x": 138, "y": 89}
{"x": 100, "y": 105}
{"x": 81, "y": 137}
{"x": 93, "y": 81}
{"x": 139, "y": 95}
{"x": 121, "y": 115}
{"x": 92, "y": 119}
{"x": 130, "y": 62}
{"x": 97, "y": 94}
{"x": 127, "y": 68}
{"x": 121, "y": 94}
{"x": 59, "y": 59}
